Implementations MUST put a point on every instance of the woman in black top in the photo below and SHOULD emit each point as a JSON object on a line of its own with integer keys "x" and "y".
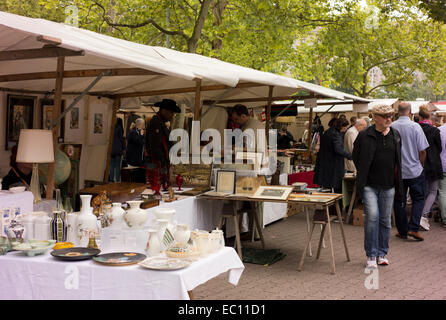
{"x": 19, "y": 174}
{"x": 433, "y": 168}
{"x": 135, "y": 144}
{"x": 118, "y": 149}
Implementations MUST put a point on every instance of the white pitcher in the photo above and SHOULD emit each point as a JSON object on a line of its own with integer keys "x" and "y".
{"x": 167, "y": 214}
{"x": 182, "y": 235}
{"x": 153, "y": 244}
{"x": 135, "y": 216}
{"x": 117, "y": 216}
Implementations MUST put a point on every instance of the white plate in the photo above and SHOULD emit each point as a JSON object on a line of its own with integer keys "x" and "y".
{"x": 17, "y": 189}
{"x": 164, "y": 263}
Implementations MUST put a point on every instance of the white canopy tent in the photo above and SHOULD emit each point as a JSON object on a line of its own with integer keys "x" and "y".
{"x": 123, "y": 70}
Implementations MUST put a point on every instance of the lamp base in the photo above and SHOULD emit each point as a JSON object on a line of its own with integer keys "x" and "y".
{"x": 35, "y": 184}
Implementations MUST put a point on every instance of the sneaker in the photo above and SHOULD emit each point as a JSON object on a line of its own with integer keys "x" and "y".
{"x": 371, "y": 263}
{"x": 383, "y": 261}
{"x": 424, "y": 224}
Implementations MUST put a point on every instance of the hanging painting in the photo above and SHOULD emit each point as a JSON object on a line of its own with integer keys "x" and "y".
{"x": 46, "y": 117}
{"x": 19, "y": 115}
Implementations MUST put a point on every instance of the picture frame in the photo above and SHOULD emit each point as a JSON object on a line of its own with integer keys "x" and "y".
{"x": 19, "y": 115}
{"x": 249, "y": 185}
{"x": 273, "y": 192}
{"x": 225, "y": 182}
{"x": 46, "y": 114}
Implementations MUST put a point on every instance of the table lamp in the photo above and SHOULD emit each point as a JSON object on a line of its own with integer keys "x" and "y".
{"x": 35, "y": 146}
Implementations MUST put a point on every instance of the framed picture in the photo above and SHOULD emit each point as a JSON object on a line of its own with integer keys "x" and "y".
{"x": 74, "y": 118}
{"x": 19, "y": 115}
{"x": 273, "y": 192}
{"x": 249, "y": 185}
{"x": 225, "y": 181}
{"x": 46, "y": 116}
{"x": 98, "y": 123}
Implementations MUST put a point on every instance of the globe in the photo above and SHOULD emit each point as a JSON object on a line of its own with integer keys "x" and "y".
{"x": 62, "y": 169}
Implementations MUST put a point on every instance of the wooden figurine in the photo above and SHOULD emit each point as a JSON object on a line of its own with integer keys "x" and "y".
{"x": 98, "y": 202}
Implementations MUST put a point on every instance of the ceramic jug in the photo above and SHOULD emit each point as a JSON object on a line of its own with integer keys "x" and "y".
{"x": 28, "y": 223}
{"x": 182, "y": 235}
{"x": 116, "y": 217}
{"x": 153, "y": 247}
{"x": 86, "y": 221}
{"x": 220, "y": 242}
{"x": 15, "y": 232}
{"x": 135, "y": 216}
{"x": 59, "y": 226}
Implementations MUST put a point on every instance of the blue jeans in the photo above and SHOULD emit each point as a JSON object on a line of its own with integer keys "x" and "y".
{"x": 417, "y": 187}
{"x": 377, "y": 223}
{"x": 115, "y": 169}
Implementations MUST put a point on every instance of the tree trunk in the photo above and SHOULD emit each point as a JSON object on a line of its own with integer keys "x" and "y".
{"x": 192, "y": 43}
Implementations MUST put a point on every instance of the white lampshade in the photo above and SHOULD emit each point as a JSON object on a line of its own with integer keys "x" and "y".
{"x": 35, "y": 146}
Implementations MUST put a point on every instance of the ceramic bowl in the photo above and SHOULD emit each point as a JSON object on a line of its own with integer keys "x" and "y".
{"x": 17, "y": 189}
{"x": 36, "y": 248}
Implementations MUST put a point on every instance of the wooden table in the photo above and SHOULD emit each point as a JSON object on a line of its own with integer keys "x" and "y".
{"x": 325, "y": 200}
{"x": 328, "y": 199}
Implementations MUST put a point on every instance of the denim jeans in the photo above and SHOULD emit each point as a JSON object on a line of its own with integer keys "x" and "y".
{"x": 442, "y": 197}
{"x": 417, "y": 187}
{"x": 377, "y": 223}
{"x": 115, "y": 169}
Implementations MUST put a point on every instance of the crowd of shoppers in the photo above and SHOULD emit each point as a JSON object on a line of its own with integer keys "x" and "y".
{"x": 396, "y": 163}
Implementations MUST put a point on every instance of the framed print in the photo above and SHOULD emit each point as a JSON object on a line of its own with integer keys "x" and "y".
{"x": 249, "y": 185}
{"x": 98, "y": 123}
{"x": 225, "y": 181}
{"x": 98, "y": 120}
{"x": 19, "y": 115}
{"x": 273, "y": 192}
{"x": 74, "y": 118}
{"x": 46, "y": 116}
{"x": 74, "y": 124}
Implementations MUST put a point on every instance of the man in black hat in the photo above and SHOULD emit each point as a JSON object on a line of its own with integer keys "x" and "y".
{"x": 157, "y": 138}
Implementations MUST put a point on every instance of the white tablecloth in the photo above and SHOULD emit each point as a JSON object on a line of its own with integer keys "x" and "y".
{"x": 45, "y": 277}
{"x": 23, "y": 200}
{"x": 205, "y": 214}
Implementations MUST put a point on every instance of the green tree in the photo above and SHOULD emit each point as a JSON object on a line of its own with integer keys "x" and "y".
{"x": 399, "y": 45}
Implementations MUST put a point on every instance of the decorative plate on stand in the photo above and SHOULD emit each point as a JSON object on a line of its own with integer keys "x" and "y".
{"x": 119, "y": 258}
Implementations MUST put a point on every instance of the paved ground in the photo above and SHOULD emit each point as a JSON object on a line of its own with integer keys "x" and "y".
{"x": 416, "y": 269}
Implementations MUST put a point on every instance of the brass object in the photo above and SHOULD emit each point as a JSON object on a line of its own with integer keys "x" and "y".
{"x": 92, "y": 242}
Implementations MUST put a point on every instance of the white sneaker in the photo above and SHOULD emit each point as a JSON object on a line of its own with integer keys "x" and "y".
{"x": 383, "y": 261}
{"x": 424, "y": 224}
{"x": 371, "y": 263}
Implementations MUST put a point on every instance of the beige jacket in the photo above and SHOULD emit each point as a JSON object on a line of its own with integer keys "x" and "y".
{"x": 349, "y": 139}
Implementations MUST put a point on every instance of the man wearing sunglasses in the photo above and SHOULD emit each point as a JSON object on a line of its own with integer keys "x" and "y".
{"x": 413, "y": 154}
{"x": 377, "y": 157}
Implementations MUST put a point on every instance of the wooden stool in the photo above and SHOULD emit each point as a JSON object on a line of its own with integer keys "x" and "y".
{"x": 324, "y": 224}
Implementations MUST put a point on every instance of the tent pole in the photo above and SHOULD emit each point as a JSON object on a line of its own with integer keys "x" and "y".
{"x": 309, "y": 138}
{"x": 197, "y": 107}
{"x": 116, "y": 104}
{"x": 55, "y": 129}
{"x": 268, "y": 114}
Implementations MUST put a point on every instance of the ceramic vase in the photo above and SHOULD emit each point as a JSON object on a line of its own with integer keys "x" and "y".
{"x": 116, "y": 217}
{"x": 135, "y": 217}
{"x": 166, "y": 214}
{"x": 59, "y": 226}
{"x": 86, "y": 222}
{"x": 182, "y": 235}
{"x": 15, "y": 232}
{"x": 164, "y": 235}
{"x": 153, "y": 247}
{"x": 42, "y": 228}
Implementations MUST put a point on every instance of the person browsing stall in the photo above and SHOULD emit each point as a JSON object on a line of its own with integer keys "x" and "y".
{"x": 377, "y": 157}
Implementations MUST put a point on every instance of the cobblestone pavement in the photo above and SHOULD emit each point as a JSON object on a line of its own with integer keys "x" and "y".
{"x": 416, "y": 269}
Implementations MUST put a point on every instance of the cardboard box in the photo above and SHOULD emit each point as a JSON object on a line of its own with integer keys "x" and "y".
{"x": 358, "y": 216}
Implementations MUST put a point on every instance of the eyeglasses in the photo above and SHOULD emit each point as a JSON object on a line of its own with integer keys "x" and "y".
{"x": 385, "y": 116}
